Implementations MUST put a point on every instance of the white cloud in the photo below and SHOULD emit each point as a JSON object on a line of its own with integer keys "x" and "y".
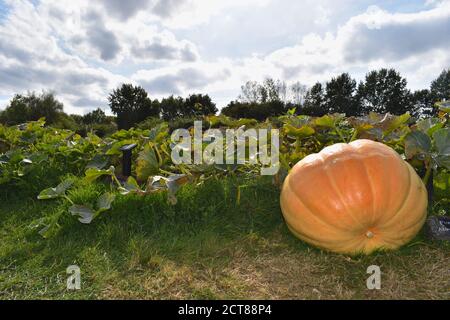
{"x": 83, "y": 49}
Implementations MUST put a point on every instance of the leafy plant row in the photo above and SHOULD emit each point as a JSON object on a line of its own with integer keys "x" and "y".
{"x": 26, "y": 149}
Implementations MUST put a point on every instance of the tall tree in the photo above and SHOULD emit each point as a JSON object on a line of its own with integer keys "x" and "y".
{"x": 314, "y": 104}
{"x": 96, "y": 116}
{"x": 440, "y": 88}
{"x": 171, "y": 107}
{"x": 131, "y": 105}
{"x": 31, "y": 107}
{"x": 423, "y": 104}
{"x": 299, "y": 92}
{"x": 269, "y": 91}
{"x": 198, "y": 104}
{"x": 384, "y": 91}
{"x": 340, "y": 95}
{"x": 250, "y": 92}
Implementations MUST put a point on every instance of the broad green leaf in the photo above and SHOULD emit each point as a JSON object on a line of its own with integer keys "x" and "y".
{"x": 147, "y": 163}
{"x": 104, "y": 202}
{"x": 98, "y": 162}
{"x": 443, "y": 161}
{"x": 84, "y": 213}
{"x": 302, "y": 132}
{"x": 417, "y": 143}
{"x": 115, "y": 147}
{"x": 49, "y": 193}
{"x": 429, "y": 125}
{"x": 442, "y": 143}
{"x": 396, "y": 122}
{"x": 158, "y": 133}
{"x": 63, "y": 186}
{"x": 93, "y": 174}
{"x": 325, "y": 121}
{"x": 93, "y": 138}
{"x": 130, "y": 185}
{"x": 329, "y": 120}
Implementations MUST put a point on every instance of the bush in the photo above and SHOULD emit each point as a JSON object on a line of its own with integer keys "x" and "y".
{"x": 149, "y": 123}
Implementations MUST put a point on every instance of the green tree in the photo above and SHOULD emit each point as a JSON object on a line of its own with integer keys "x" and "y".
{"x": 171, "y": 107}
{"x": 258, "y": 111}
{"x": 340, "y": 96}
{"x": 267, "y": 91}
{"x": 97, "y": 116}
{"x": 31, "y": 107}
{"x": 423, "y": 104}
{"x": 314, "y": 104}
{"x": 198, "y": 104}
{"x": 131, "y": 105}
{"x": 384, "y": 91}
{"x": 440, "y": 87}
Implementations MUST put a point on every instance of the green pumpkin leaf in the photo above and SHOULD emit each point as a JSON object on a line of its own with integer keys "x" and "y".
{"x": 147, "y": 163}
{"x": 63, "y": 186}
{"x": 158, "y": 133}
{"x": 302, "y": 132}
{"x": 104, "y": 202}
{"x": 98, "y": 162}
{"x": 325, "y": 121}
{"x": 396, "y": 122}
{"x": 442, "y": 143}
{"x": 49, "y": 193}
{"x": 130, "y": 185}
{"x": 93, "y": 174}
{"x": 417, "y": 143}
{"x": 84, "y": 213}
{"x": 429, "y": 125}
{"x": 115, "y": 147}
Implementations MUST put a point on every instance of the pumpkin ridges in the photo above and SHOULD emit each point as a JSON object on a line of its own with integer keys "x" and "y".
{"x": 307, "y": 216}
{"x": 391, "y": 156}
{"x": 376, "y": 169}
{"x": 369, "y": 179}
{"x": 336, "y": 189}
{"x": 324, "y": 162}
{"x": 411, "y": 198}
{"x": 348, "y": 177}
{"x": 408, "y": 232}
{"x": 341, "y": 246}
{"x": 304, "y": 183}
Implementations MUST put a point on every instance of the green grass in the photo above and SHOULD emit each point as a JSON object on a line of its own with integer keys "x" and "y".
{"x": 205, "y": 247}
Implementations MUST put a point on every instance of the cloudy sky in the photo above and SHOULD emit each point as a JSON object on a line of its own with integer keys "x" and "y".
{"x": 83, "y": 49}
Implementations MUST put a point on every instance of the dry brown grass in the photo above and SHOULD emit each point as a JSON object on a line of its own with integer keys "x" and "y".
{"x": 269, "y": 268}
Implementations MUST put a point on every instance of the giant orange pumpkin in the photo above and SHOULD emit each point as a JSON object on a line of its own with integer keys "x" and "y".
{"x": 354, "y": 198}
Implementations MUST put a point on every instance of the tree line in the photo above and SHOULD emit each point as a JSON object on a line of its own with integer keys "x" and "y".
{"x": 381, "y": 91}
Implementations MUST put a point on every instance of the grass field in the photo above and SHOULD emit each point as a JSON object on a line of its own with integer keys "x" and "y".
{"x": 207, "y": 246}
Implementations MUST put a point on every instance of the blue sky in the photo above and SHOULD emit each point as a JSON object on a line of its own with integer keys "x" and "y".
{"x": 83, "y": 49}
